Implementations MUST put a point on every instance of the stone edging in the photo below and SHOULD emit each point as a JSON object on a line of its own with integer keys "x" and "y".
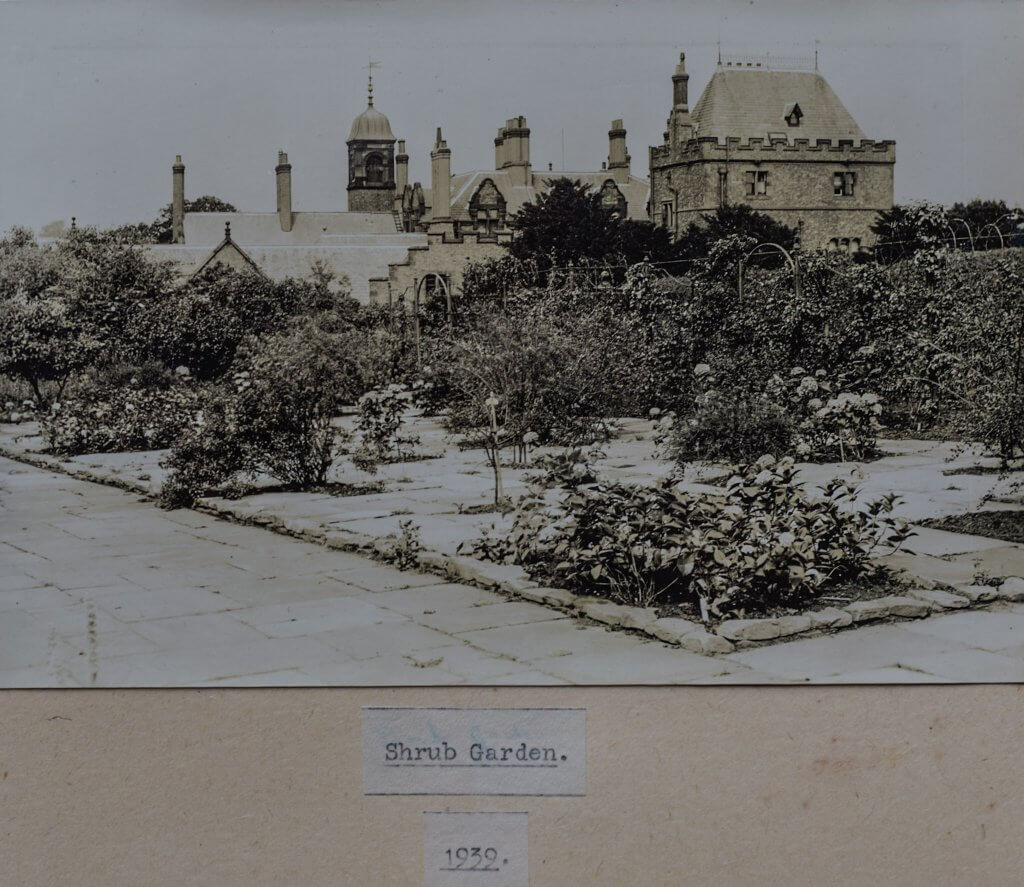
{"x": 513, "y": 581}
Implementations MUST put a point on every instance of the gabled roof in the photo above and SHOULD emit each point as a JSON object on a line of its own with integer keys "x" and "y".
{"x": 752, "y": 104}
{"x": 465, "y": 185}
{"x": 231, "y": 254}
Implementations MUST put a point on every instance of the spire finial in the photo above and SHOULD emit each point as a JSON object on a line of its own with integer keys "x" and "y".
{"x": 370, "y": 65}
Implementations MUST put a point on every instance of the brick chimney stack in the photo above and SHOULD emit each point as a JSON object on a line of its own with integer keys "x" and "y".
{"x": 178, "y": 201}
{"x": 618, "y": 158}
{"x": 441, "y": 181}
{"x": 284, "y": 191}
{"x": 681, "y": 84}
{"x": 680, "y": 126}
{"x": 516, "y": 150}
{"x": 499, "y": 149}
{"x": 401, "y": 168}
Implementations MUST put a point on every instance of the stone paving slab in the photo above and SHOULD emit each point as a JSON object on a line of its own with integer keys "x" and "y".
{"x": 826, "y": 657}
{"x": 969, "y": 665}
{"x": 651, "y": 663}
{"x": 986, "y": 630}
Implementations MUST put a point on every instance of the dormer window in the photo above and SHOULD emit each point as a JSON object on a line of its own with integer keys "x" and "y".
{"x": 793, "y": 114}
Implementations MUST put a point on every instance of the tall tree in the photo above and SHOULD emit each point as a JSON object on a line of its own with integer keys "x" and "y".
{"x": 731, "y": 221}
{"x": 979, "y": 214}
{"x": 907, "y": 229}
{"x": 568, "y": 224}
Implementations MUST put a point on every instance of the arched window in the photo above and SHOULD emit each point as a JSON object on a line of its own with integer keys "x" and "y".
{"x": 375, "y": 168}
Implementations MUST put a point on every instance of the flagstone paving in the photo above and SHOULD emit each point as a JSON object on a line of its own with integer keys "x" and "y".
{"x": 101, "y": 588}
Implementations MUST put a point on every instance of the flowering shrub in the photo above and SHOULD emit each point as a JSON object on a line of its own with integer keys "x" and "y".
{"x": 13, "y": 411}
{"x": 551, "y": 373}
{"x": 107, "y": 413}
{"x": 830, "y": 423}
{"x": 762, "y": 544}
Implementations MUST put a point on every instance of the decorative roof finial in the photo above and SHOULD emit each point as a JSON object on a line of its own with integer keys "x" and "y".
{"x": 227, "y": 230}
{"x": 370, "y": 65}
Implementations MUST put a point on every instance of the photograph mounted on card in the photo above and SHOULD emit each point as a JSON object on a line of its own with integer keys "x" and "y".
{"x": 360, "y": 371}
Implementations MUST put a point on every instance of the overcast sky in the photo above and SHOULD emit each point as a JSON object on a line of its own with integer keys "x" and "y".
{"x": 98, "y": 97}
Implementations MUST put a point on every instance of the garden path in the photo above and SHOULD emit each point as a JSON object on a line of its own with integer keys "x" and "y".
{"x": 100, "y": 588}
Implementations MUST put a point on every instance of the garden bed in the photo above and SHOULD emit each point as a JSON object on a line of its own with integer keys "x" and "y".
{"x": 1006, "y": 525}
{"x": 839, "y": 596}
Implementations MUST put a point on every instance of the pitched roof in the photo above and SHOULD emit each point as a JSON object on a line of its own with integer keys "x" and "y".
{"x": 355, "y": 245}
{"x": 307, "y": 228}
{"x": 752, "y": 104}
{"x": 465, "y": 185}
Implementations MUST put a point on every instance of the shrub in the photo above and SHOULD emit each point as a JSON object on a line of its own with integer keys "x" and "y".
{"x": 41, "y": 343}
{"x": 121, "y": 409}
{"x": 830, "y": 423}
{"x": 730, "y": 422}
{"x": 762, "y": 544}
{"x": 273, "y": 417}
{"x": 380, "y": 423}
{"x": 202, "y": 323}
{"x": 551, "y": 377}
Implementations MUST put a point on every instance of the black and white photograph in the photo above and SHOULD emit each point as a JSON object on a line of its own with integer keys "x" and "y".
{"x": 544, "y": 343}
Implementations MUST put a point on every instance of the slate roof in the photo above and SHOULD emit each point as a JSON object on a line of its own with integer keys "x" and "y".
{"x": 752, "y": 104}
{"x": 356, "y": 245}
{"x": 307, "y": 227}
{"x": 465, "y": 185}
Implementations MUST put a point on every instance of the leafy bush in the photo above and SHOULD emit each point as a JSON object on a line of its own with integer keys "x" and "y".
{"x": 552, "y": 375}
{"x": 730, "y": 422}
{"x": 379, "y": 424}
{"x": 202, "y": 323}
{"x": 121, "y": 409}
{"x": 273, "y": 417}
{"x": 763, "y": 544}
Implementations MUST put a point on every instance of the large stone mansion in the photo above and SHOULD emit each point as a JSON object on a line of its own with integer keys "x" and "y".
{"x": 779, "y": 140}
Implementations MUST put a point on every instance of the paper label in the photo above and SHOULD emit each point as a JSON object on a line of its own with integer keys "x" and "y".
{"x": 474, "y": 751}
{"x": 469, "y": 849}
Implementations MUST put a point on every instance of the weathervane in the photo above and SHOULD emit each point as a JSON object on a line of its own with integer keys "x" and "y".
{"x": 370, "y": 65}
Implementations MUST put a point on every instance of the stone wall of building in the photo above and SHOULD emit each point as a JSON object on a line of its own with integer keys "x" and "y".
{"x": 698, "y": 176}
{"x": 443, "y": 255}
